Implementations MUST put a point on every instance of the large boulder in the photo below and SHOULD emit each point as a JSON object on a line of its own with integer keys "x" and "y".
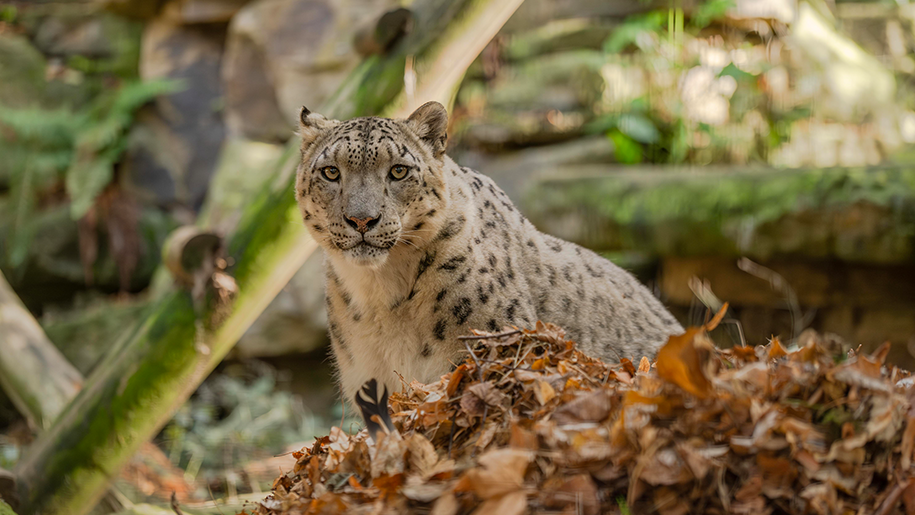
{"x": 295, "y": 321}
{"x": 174, "y": 148}
{"x": 97, "y": 35}
{"x": 22, "y": 69}
{"x": 243, "y": 168}
{"x": 283, "y": 54}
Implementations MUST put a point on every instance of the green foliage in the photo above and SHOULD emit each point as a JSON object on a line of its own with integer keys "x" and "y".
{"x": 656, "y": 90}
{"x": 709, "y": 11}
{"x": 628, "y": 32}
{"x": 5, "y": 509}
{"x": 43, "y": 148}
{"x": 235, "y": 417}
{"x": 626, "y": 149}
{"x": 8, "y": 13}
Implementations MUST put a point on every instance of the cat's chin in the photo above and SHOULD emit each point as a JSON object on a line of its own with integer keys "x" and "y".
{"x": 366, "y": 255}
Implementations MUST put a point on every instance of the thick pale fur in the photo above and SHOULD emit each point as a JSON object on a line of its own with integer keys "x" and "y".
{"x": 449, "y": 253}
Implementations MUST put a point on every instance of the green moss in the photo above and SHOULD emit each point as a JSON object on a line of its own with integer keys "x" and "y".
{"x": 700, "y": 212}
{"x": 157, "y": 362}
{"x": 5, "y": 509}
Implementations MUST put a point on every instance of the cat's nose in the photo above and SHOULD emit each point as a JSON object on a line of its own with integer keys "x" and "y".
{"x": 363, "y": 224}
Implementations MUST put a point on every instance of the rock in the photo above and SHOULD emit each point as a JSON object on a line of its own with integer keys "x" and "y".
{"x": 283, "y": 54}
{"x": 201, "y": 11}
{"x": 295, "y": 321}
{"x": 541, "y": 100}
{"x": 22, "y": 69}
{"x": 99, "y": 35}
{"x": 174, "y": 148}
{"x": 239, "y": 175}
{"x": 843, "y": 214}
{"x": 514, "y": 171}
{"x": 141, "y": 9}
{"x": 252, "y": 109}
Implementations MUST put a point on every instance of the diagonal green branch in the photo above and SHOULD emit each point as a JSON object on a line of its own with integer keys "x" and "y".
{"x": 156, "y": 366}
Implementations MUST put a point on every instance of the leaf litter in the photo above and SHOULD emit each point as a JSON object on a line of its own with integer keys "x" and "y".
{"x": 527, "y": 423}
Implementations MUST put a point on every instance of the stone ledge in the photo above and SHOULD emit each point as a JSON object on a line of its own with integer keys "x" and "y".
{"x": 853, "y": 215}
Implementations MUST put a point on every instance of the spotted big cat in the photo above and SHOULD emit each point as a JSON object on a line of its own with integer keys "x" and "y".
{"x": 419, "y": 250}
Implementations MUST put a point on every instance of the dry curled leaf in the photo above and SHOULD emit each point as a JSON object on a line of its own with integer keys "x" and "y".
{"x": 682, "y": 362}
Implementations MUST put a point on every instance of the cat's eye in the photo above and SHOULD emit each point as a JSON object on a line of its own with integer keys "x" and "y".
{"x": 398, "y": 172}
{"x": 331, "y": 173}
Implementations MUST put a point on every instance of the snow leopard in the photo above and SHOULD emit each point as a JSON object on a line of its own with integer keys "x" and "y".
{"x": 420, "y": 250}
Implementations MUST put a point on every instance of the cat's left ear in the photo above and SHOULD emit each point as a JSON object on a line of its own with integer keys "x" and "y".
{"x": 430, "y": 123}
{"x": 310, "y": 126}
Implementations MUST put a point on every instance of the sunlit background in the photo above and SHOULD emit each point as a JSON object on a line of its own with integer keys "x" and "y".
{"x": 756, "y": 152}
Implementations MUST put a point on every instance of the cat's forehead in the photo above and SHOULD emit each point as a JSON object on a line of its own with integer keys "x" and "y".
{"x": 366, "y": 130}
{"x": 365, "y": 140}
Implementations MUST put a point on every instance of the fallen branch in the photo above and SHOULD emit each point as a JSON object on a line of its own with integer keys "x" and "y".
{"x": 33, "y": 373}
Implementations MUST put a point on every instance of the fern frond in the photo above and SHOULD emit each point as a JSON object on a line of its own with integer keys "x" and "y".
{"x": 132, "y": 95}
{"x": 86, "y": 178}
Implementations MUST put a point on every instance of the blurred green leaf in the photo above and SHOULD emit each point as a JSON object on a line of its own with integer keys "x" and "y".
{"x": 710, "y": 11}
{"x": 639, "y": 127}
{"x": 733, "y": 71}
{"x": 8, "y": 13}
{"x": 626, "y": 149}
{"x": 85, "y": 180}
{"x": 628, "y": 32}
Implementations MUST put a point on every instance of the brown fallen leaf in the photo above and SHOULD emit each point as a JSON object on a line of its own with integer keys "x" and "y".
{"x": 682, "y": 362}
{"x": 501, "y": 471}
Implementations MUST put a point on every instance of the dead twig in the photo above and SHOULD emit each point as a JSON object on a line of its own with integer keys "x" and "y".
{"x": 892, "y": 501}
{"x": 489, "y": 336}
{"x": 799, "y": 319}
{"x": 174, "y": 503}
{"x": 703, "y": 292}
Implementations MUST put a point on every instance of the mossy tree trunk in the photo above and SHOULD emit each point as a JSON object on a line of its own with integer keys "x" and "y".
{"x": 155, "y": 367}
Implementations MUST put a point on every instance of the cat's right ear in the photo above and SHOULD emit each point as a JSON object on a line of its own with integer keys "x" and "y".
{"x": 310, "y": 126}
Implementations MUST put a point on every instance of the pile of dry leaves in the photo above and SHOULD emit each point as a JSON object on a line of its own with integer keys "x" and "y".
{"x": 527, "y": 422}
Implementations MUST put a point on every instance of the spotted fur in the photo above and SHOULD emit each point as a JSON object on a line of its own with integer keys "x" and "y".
{"x": 448, "y": 252}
